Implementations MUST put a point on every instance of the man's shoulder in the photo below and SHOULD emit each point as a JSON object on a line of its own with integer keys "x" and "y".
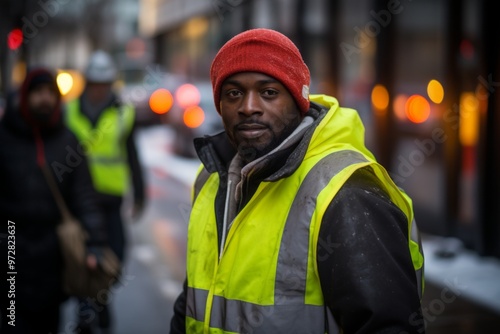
{"x": 363, "y": 184}
{"x": 126, "y": 110}
{"x": 363, "y": 177}
{"x": 71, "y": 103}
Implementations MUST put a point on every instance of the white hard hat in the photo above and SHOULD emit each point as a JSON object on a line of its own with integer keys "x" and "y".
{"x": 101, "y": 68}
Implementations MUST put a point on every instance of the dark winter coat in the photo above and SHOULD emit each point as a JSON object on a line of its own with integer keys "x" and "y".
{"x": 26, "y": 200}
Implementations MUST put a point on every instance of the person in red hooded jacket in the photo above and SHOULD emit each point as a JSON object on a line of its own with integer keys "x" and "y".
{"x": 32, "y": 134}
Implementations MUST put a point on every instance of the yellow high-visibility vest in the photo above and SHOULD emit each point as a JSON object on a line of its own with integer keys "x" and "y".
{"x": 265, "y": 280}
{"x": 104, "y": 144}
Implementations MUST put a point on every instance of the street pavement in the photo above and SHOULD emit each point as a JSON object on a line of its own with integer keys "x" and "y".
{"x": 462, "y": 292}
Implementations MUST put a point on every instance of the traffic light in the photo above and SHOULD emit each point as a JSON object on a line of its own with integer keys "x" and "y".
{"x": 15, "y": 39}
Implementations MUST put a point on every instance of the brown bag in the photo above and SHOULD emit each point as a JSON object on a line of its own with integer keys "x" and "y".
{"x": 78, "y": 279}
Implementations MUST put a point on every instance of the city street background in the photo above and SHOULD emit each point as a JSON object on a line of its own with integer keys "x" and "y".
{"x": 423, "y": 75}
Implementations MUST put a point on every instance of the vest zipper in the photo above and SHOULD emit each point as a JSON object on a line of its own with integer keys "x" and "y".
{"x": 224, "y": 223}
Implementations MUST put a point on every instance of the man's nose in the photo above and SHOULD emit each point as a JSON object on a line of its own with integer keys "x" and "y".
{"x": 251, "y": 104}
{"x": 47, "y": 93}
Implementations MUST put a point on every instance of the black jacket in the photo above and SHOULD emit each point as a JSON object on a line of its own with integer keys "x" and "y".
{"x": 366, "y": 272}
{"x": 26, "y": 200}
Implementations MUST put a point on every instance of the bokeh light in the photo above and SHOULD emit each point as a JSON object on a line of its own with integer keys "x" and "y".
{"x": 161, "y": 101}
{"x": 15, "y": 39}
{"x": 469, "y": 119}
{"x": 194, "y": 117}
{"x": 64, "y": 82}
{"x": 435, "y": 91}
{"x": 187, "y": 95}
{"x": 399, "y": 106}
{"x": 417, "y": 108}
{"x": 380, "y": 98}
{"x": 71, "y": 83}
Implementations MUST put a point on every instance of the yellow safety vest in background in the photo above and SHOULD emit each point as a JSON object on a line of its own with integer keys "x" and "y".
{"x": 266, "y": 279}
{"x": 105, "y": 145}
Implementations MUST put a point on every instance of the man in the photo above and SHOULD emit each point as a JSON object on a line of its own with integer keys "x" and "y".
{"x": 32, "y": 135}
{"x": 294, "y": 228}
{"x": 105, "y": 127}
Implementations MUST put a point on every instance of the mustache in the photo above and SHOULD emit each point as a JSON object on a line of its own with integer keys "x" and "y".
{"x": 44, "y": 107}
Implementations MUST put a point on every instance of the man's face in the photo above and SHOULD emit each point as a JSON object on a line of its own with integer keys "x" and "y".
{"x": 258, "y": 113}
{"x": 98, "y": 92}
{"x": 42, "y": 101}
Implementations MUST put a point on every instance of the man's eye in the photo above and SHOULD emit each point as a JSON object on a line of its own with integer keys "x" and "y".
{"x": 233, "y": 93}
{"x": 270, "y": 92}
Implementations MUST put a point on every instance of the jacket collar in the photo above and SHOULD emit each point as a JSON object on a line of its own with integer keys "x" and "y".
{"x": 216, "y": 152}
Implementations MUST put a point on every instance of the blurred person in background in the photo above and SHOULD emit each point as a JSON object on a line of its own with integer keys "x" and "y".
{"x": 105, "y": 127}
{"x": 295, "y": 228}
{"x": 32, "y": 135}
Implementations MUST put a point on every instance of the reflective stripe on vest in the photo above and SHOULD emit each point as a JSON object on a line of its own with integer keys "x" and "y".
{"x": 290, "y": 312}
{"x": 104, "y": 145}
{"x": 257, "y": 318}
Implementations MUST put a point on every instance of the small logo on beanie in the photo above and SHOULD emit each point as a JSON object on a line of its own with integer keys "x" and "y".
{"x": 305, "y": 92}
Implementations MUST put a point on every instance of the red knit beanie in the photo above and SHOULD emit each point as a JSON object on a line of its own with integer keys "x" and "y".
{"x": 265, "y": 51}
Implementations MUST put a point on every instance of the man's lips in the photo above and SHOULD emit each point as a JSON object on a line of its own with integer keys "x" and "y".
{"x": 251, "y": 130}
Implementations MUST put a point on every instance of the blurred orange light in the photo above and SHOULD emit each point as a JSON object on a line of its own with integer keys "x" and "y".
{"x": 469, "y": 119}
{"x": 194, "y": 117}
{"x": 435, "y": 91}
{"x": 196, "y": 27}
{"x": 161, "y": 101}
{"x": 417, "y": 109}
{"x": 187, "y": 95}
{"x": 399, "y": 106}
{"x": 380, "y": 98}
{"x": 18, "y": 73}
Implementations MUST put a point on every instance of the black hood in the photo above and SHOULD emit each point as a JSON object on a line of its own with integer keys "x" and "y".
{"x": 17, "y": 114}
{"x": 18, "y": 118}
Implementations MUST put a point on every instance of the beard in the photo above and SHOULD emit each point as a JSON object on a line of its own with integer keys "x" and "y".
{"x": 42, "y": 113}
{"x": 251, "y": 151}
